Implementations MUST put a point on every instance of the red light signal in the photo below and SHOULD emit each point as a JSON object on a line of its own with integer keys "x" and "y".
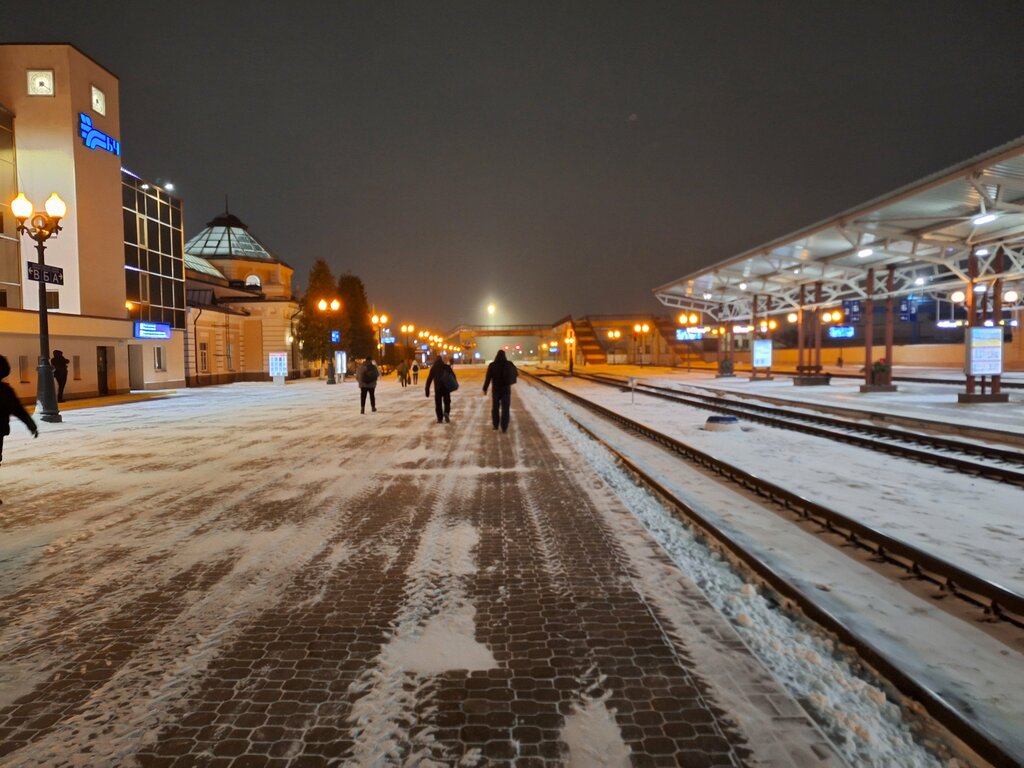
{"x": 506, "y": 347}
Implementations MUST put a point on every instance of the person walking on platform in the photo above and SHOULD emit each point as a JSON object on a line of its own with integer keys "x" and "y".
{"x": 501, "y": 375}
{"x": 366, "y": 377}
{"x": 415, "y": 372}
{"x": 403, "y": 373}
{"x": 11, "y": 406}
{"x": 60, "y": 372}
{"x": 443, "y": 378}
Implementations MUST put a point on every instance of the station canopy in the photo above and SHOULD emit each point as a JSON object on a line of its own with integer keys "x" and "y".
{"x": 925, "y": 232}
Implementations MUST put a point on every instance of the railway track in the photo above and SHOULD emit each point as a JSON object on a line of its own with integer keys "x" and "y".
{"x": 860, "y": 377}
{"x": 995, "y": 601}
{"x": 996, "y": 463}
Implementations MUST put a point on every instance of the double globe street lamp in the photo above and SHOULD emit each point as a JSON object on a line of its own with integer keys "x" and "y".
{"x": 41, "y": 227}
{"x": 333, "y": 306}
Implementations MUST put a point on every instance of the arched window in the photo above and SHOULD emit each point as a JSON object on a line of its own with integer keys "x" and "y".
{"x": 253, "y": 280}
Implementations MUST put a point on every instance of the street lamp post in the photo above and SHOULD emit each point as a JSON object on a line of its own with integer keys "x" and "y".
{"x": 407, "y": 331}
{"x": 334, "y": 305}
{"x": 378, "y": 325}
{"x": 570, "y": 346}
{"x": 41, "y": 228}
{"x": 640, "y": 331}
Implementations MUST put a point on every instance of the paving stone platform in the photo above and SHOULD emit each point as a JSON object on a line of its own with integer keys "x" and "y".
{"x": 264, "y": 577}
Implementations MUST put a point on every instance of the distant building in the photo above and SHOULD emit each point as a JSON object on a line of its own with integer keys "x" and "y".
{"x": 240, "y": 306}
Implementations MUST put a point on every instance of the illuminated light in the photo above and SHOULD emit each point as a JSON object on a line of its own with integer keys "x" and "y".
{"x": 796, "y": 271}
{"x": 981, "y": 252}
{"x": 957, "y": 297}
{"x": 1010, "y": 297}
{"x": 383, "y": 318}
{"x": 645, "y": 327}
{"x": 772, "y": 325}
{"x": 741, "y": 329}
{"x": 22, "y": 207}
{"x": 56, "y": 207}
{"x": 335, "y": 305}
{"x": 865, "y": 252}
{"x": 290, "y": 339}
{"x": 322, "y": 305}
{"x": 919, "y": 281}
{"x": 375, "y": 319}
{"x": 792, "y": 317}
{"x": 980, "y": 288}
{"x": 694, "y": 318}
{"x": 984, "y": 218}
{"x": 707, "y": 296}
{"x": 743, "y": 286}
{"x": 490, "y": 309}
{"x": 948, "y": 323}
{"x": 989, "y": 323}
{"x": 837, "y": 315}
{"x": 129, "y": 306}
{"x": 144, "y": 186}
{"x": 169, "y": 187}
{"x": 96, "y": 139}
{"x": 683, "y": 320}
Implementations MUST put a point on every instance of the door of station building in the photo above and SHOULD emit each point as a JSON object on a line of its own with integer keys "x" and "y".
{"x": 103, "y": 363}
{"x": 136, "y": 371}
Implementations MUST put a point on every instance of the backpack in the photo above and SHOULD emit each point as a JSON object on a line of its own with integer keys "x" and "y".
{"x": 371, "y": 374}
{"x": 511, "y": 372}
{"x": 448, "y": 380}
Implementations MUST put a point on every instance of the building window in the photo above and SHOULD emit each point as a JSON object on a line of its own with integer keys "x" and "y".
{"x": 231, "y": 356}
{"x": 76, "y": 367}
{"x": 159, "y": 361}
{"x": 23, "y": 369}
{"x": 204, "y": 357}
{"x": 3, "y": 297}
{"x": 140, "y": 226}
{"x": 52, "y": 300}
{"x": 253, "y": 280}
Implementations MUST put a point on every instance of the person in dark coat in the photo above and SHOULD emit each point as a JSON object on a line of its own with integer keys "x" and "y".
{"x": 442, "y": 396}
{"x": 366, "y": 377}
{"x": 415, "y": 372}
{"x": 60, "y": 372}
{"x": 501, "y": 375}
{"x": 11, "y": 406}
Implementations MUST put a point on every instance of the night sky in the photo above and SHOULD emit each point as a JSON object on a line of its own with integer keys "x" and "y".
{"x": 550, "y": 157}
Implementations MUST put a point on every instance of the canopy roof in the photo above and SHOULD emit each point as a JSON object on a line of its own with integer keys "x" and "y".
{"x": 199, "y": 264}
{"x": 924, "y": 231}
{"x": 227, "y": 237}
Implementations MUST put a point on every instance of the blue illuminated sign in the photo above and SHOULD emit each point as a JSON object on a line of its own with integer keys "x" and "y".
{"x": 689, "y": 334}
{"x": 152, "y": 330}
{"x": 335, "y": 337}
{"x": 840, "y": 332}
{"x": 96, "y": 139}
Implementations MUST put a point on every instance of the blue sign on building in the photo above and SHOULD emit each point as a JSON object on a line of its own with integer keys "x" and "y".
{"x": 152, "y": 330}
{"x": 840, "y": 332}
{"x": 335, "y": 337}
{"x": 689, "y": 334}
{"x": 851, "y": 310}
{"x": 94, "y": 138}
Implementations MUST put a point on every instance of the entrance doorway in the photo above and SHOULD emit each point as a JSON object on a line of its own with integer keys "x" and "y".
{"x": 136, "y": 372}
{"x": 104, "y": 362}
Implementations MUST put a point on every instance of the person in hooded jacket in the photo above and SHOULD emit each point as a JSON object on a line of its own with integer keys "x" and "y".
{"x": 442, "y": 396}
{"x": 11, "y": 406}
{"x": 366, "y": 377}
{"x": 501, "y": 375}
{"x": 60, "y": 372}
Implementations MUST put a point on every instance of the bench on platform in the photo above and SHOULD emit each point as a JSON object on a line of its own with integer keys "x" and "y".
{"x": 811, "y": 376}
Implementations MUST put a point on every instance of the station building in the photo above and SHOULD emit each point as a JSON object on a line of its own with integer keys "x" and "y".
{"x": 122, "y": 314}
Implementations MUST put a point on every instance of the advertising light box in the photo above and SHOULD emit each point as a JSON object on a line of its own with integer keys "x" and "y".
{"x": 152, "y": 330}
{"x": 689, "y": 334}
{"x": 278, "y": 363}
{"x": 984, "y": 352}
{"x": 762, "y": 353}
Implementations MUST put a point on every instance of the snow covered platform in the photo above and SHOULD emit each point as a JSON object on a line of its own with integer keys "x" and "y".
{"x": 258, "y": 575}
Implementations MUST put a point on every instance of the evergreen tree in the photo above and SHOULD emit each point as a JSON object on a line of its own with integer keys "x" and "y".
{"x": 315, "y": 325}
{"x": 361, "y": 339}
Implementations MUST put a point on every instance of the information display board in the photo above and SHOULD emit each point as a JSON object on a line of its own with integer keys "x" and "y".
{"x": 278, "y": 364}
{"x": 152, "y": 330}
{"x": 984, "y": 352}
{"x": 840, "y": 331}
{"x": 762, "y": 353}
{"x": 689, "y": 334}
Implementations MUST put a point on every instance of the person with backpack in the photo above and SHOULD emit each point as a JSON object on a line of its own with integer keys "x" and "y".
{"x": 366, "y": 377}
{"x": 443, "y": 378}
{"x": 10, "y": 405}
{"x": 501, "y": 375}
{"x": 415, "y": 372}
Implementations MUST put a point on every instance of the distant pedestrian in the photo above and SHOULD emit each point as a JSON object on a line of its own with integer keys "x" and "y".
{"x": 366, "y": 377}
{"x": 415, "y": 372}
{"x": 443, "y": 378}
{"x": 403, "y": 373}
{"x": 501, "y": 375}
{"x": 11, "y": 406}
{"x": 60, "y": 372}
{"x": 839, "y": 360}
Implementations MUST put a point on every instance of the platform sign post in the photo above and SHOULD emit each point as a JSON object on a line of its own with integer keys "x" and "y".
{"x": 632, "y": 390}
{"x": 984, "y": 352}
{"x": 278, "y": 364}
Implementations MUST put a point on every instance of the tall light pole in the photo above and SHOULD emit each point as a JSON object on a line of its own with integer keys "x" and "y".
{"x": 570, "y": 346}
{"x": 407, "y": 332}
{"x": 640, "y": 330}
{"x": 41, "y": 228}
{"x": 378, "y": 325}
{"x": 333, "y": 306}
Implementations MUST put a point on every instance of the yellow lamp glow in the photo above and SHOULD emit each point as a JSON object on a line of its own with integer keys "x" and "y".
{"x": 694, "y": 318}
{"x": 490, "y": 309}
{"x": 129, "y": 306}
{"x": 375, "y": 319}
{"x": 772, "y": 325}
{"x": 958, "y": 297}
{"x": 56, "y": 207}
{"x": 792, "y": 317}
{"x": 22, "y": 207}
{"x": 322, "y": 305}
{"x": 683, "y": 319}
{"x": 645, "y": 327}
{"x": 335, "y": 305}
{"x": 636, "y": 328}
{"x": 1010, "y": 297}
{"x": 383, "y": 318}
